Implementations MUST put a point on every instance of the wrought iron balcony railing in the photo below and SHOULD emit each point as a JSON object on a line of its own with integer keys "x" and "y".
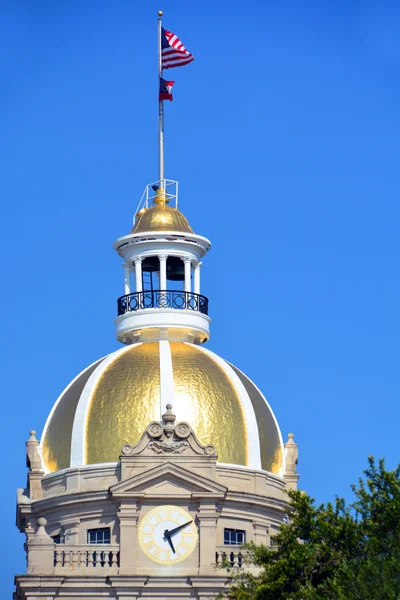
{"x": 162, "y": 299}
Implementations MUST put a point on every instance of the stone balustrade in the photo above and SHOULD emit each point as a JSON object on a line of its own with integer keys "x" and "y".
{"x": 87, "y": 557}
{"x": 229, "y": 557}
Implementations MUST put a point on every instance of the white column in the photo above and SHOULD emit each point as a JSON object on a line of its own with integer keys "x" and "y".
{"x": 127, "y": 277}
{"x": 188, "y": 272}
{"x": 138, "y": 274}
{"x": 196, "y": 278}
{"x": 163, "y": 271}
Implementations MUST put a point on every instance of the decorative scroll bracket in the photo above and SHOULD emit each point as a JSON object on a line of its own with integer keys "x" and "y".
{"x": 165, "y": 441}
{"x": 168, "y": 439}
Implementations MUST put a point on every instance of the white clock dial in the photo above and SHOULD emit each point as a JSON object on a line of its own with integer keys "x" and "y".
{"x": 167, "y": 534}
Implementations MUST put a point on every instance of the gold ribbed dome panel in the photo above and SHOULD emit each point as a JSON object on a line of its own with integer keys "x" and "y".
{"x": 209, "y": 402}
{"x": 124, "y": 401}
{"x": 162, "y": 218}
{"x": 270, "y": 442}
{"x": 56, "y": 441}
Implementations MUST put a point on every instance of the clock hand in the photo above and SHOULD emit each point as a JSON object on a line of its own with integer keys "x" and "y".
{"x": 173, "y": 531}
{"x": 167, "y": 536}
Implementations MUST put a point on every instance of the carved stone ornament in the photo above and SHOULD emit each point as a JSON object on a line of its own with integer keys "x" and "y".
{"x": 155, "y": 429}
{"x": 168, "y": 446}
{"x": 209, "y": 450}
{"x": 167, "y": 438}
{"x": 170, "y": 437}
{"x": 292, "y": 455}
{"x": 291, "y": 459}
{"x": 127, "y": 450}
{"x": 182, "y": 430}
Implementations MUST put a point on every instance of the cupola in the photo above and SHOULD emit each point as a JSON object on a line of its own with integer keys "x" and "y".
{"x": 162, "y": 261}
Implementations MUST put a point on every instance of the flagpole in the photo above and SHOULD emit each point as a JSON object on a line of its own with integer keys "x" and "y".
{"x": 160, "y": 110}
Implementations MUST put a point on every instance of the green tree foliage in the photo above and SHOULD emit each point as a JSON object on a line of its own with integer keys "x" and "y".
{"x": 333, "y": 551}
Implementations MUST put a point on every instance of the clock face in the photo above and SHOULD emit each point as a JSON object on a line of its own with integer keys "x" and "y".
{"x": 167, "y": 534}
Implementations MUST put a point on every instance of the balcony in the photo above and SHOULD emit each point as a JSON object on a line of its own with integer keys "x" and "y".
{"x": 86, "y": 557}
{"x": 162, "y": 299}
{"x": 229, "y": 557}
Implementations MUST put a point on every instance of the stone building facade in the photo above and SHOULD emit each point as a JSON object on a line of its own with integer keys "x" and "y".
{"x": 160, "y": 460}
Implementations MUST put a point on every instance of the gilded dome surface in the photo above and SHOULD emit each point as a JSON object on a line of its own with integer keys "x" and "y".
{"x": 162, "y": 218}
{"x": 113, "y": 401}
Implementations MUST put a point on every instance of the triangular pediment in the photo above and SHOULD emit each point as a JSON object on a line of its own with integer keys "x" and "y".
{"x": 168, "y": 478}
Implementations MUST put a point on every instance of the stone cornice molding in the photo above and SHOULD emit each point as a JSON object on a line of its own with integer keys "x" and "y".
{"x": 256, "y": 500}
{"x": 63, "y": 500}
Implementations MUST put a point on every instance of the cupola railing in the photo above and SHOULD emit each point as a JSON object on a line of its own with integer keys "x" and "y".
{"x": 178, "y": 300}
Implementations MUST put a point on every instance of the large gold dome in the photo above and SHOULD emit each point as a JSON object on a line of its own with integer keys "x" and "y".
{"x": 113, "y": 400}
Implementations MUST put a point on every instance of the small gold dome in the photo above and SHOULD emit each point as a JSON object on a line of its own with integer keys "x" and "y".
{"x": 161, "y": 218}
{"x": 113, "y": 401}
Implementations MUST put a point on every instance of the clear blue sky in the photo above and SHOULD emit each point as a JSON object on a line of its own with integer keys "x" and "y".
{"x": 284, "y": 135}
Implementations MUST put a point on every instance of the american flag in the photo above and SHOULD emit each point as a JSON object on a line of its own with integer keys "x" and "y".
{"x": 173, "y": 52}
